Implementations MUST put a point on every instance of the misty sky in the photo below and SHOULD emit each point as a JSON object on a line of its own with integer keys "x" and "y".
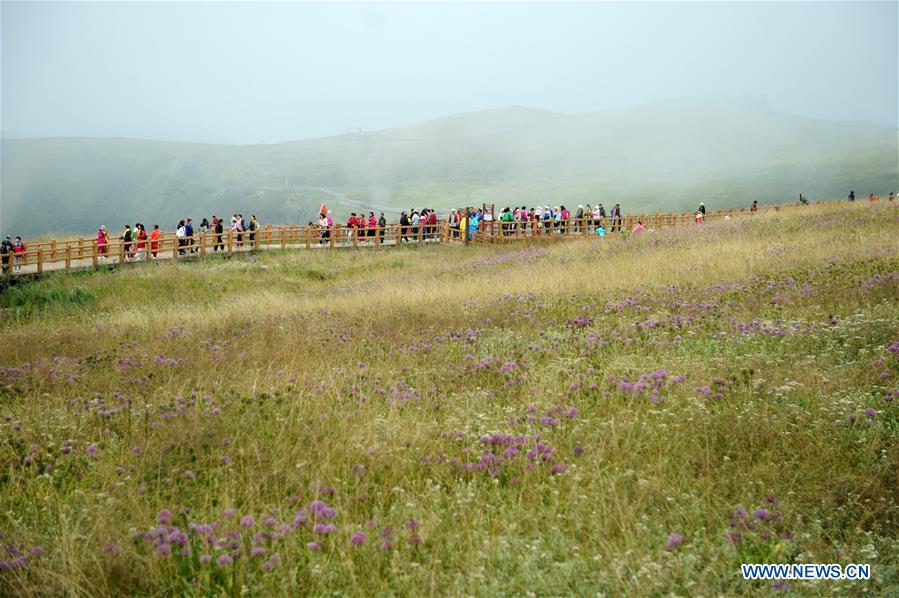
{"x": 265, "y": 72}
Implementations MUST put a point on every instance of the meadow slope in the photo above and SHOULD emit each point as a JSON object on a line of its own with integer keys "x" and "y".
{"x": 634, "y": 416}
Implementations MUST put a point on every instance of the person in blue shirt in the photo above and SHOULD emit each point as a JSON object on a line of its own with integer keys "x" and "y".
{"x": 473, "y": 222}
{"x": 189, "y": 234}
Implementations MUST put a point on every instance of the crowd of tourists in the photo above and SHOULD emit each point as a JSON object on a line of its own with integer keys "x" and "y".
{"x": 138, "y": 244}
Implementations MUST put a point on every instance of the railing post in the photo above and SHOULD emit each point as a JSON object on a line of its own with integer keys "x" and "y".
{"x": 202, "y": 244}
{"x": 283, "y": 238}
{"x": 121, "y": 252}
{"x": 230, "y": 242}
{"x": 53, "y": 250}
{"x": 40, "y": 260}
{"x": 68, "y": 257}
{"x": 81, "y": 248}
{"x": 308, "y": 235}
{"x": 95, "y": 250}
{"x": 335, "y": 230}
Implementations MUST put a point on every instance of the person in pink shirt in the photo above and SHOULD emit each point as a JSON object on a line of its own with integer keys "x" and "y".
{"x": 639, "y": 228}
{"x": 102, "y": 242}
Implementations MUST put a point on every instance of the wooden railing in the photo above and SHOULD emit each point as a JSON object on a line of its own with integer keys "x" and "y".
{"x": 87, "y": 253}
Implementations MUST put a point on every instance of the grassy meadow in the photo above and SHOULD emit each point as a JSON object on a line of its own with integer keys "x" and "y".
{"x": 630, "y": 416}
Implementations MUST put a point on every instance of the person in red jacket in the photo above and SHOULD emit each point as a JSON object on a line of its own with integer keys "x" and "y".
{"x": 351, "y": 226}
{"x": 18, "y": 250}
{"x": 432, "y": 223}
{"x": 372, "y": 224}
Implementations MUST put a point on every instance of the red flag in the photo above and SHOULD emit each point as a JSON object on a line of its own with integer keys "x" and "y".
{"x": 324, "y": 210}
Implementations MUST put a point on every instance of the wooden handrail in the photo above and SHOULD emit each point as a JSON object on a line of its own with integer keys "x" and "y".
{"x": 84, "y": 253}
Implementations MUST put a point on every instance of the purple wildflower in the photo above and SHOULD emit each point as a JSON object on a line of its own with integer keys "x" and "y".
{"x": 247, "y": 521}
{"x": 762, "y": 514}
{"x": 224, "y": 560}
{"x": 358, "y": 538}
{"x": 674, "y": 540}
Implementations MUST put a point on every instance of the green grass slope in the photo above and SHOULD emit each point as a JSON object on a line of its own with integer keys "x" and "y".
{"x": 634, "y": 416}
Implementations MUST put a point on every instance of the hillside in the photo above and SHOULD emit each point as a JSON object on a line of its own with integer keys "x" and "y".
{"x": 624, "y": 417}
{"x": 657, "y": 157}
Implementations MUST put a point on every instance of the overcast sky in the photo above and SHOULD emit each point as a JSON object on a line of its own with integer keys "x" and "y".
{"x": 265, "y": 72}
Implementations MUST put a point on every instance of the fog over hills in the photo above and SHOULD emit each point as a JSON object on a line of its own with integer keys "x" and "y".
{"x": 665, "y": 156}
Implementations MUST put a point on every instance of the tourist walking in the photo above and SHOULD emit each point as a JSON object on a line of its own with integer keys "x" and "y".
{"x": 5, "y": 252}
{"x": 18, "y": 250}
{"x": 154, "y": 241}
{"x": 126, "y": 240}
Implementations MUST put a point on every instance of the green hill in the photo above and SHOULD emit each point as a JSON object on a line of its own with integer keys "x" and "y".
{"x": 664, "y": 156}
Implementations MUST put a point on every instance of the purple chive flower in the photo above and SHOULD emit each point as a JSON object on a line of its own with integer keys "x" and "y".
{"x": 164, "y": 550}
{"x": 205, "y": 558}
{"x": 578, "y": 451}
{"x": 164, "y": 517}
{"x": 412, "y": 524}
{"x": 762, "y": 514}
{"x": 674, "y": 541}
{"x": 229, "y": 513}
{"x": 91, "y": 451}
{"x": 870, "y": 412}
{"x": 313, "y": 545}
{"x": 884, "y": 375}
{"x": 224, "y": 560}
{"x": 270, "y": 521}
{"x": 559, "y": 468}
{"x": 257, "y": 551}
{"x": 247, "y": 521}
{"x": 225, "y": 460}
{"x": 358, "y": 538}
{"x": 190, "y": 475}
{"x": 37, "y": 551}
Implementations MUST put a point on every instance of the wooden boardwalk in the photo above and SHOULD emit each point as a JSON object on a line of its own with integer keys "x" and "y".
{"x": 78, "y": 254}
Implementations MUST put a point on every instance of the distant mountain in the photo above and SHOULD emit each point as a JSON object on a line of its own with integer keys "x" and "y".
{"x": 664, "y": 156}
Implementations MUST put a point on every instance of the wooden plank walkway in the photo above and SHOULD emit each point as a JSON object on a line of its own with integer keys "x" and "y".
{"x": 78, "y": 254}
